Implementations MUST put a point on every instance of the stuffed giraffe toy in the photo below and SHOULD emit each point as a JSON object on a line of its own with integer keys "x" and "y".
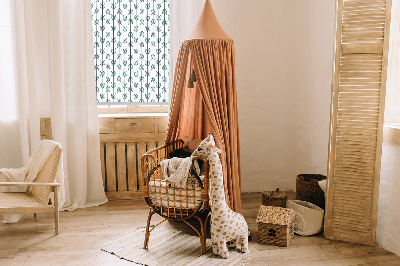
{"x": 226, "y": 225}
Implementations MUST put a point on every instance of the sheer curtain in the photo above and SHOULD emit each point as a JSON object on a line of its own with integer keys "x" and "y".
{"x": 183, "y": 18}
{"x": 54, "y": 72}
{"x": 10, "y": 147}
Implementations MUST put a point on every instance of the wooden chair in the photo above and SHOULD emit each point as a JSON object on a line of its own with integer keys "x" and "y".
{"x": 174, "y": 204}
{"x": 36, "y": 197}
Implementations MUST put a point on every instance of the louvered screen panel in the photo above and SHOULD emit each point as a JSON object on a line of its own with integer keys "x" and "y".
{"x": 358, "y": 96}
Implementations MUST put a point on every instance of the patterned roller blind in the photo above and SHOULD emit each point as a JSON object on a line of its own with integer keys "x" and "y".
{"x": 131, "y": 46}
{"x": 358, "y": 96}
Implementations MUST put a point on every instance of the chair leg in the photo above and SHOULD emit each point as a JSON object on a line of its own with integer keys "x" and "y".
{"x": 34, "y": 215}
{"x": 203, "y": 236}
{"x": 203, "y": 232}
{"x": 56, "y": 211}
{"x": 147, "y": 235}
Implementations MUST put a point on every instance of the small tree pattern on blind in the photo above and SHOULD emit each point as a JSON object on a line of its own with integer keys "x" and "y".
{"x": 131, "y": 50}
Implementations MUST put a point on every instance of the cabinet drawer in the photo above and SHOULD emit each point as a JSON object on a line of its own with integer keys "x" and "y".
{"x": 134, "y": 125}
{"x": 162, "y": 124}
{"x": 106, "y": 125}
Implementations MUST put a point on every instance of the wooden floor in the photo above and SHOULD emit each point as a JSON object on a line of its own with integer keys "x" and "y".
{"x": 83, "y": 232}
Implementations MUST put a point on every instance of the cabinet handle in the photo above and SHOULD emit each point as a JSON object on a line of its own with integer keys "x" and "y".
{"x": 133, "y": 124}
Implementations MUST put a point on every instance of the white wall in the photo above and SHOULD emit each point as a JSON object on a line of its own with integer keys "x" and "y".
{"x": 264, "y": 32}
{"x": 284, "y": 52}
{"x": 314, "y": 60}
{"x": 388, "y": 227}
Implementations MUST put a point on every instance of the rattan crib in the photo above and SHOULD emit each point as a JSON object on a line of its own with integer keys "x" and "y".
{"x": 170, "y": 202}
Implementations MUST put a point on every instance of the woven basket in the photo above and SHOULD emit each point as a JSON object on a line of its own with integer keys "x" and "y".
{"x": 275, "y": 225}
{"x": 274, "y": 198}
{"x": 308, "y": 189}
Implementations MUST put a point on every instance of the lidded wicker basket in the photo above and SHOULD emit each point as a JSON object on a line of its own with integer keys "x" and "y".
{"x": 308, "y": 189}
{"x": 275, "y": 225}
{"x": 274, "y": 198}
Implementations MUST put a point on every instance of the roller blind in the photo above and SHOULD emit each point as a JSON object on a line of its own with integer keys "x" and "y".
{"x": 131, "y": 51}
{"x": 358, "y": 97}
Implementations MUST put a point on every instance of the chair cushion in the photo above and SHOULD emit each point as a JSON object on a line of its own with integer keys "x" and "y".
{"x": 16, "y": 199}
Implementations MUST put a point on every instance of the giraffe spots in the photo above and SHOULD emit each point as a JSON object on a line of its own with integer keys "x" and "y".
{"x": 225, "y": 224}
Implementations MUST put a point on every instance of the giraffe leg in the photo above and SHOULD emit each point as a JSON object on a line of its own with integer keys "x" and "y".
{"x": 243, "y": 243}
{"x": 215, "y": 248}
{"x": 222, "y": 249}
{"x": 232, "y": 244}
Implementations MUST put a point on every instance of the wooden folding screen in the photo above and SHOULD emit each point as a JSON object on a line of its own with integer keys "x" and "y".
{"x": 358, "y": 96}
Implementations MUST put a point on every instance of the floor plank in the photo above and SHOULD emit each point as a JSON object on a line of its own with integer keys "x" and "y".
{"x": 82, "y": 233}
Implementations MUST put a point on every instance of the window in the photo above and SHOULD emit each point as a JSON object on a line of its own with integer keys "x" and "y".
{"x": 131, "y": 51}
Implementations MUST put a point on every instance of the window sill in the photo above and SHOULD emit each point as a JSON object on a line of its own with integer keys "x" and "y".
{"x": 132, "y": 110}
{"x": 127, "y": 115}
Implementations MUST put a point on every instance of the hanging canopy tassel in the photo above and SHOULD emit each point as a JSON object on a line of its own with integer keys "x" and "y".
{"x": 193, "y": 76}
{"x": 190, "y": 83}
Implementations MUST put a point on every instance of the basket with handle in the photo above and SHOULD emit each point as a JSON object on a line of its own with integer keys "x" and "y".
{"x": 274, "y": 198}
{"x": 308, "y": 189}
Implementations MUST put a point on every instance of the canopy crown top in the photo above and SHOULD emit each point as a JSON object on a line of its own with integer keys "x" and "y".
{"x": 207, "y": 26}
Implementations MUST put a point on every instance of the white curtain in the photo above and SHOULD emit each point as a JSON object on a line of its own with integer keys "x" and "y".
{"x": 10, "y": 147}
{"x": 55, "y": 78}
{"x": 183, "y": 18}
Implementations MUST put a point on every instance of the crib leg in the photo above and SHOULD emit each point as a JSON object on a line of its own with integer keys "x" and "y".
{"x": 203, "y": 236}
{"x": 147, "y": 235}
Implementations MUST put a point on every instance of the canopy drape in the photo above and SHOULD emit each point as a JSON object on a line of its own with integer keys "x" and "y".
{"x": 211, "y": 106}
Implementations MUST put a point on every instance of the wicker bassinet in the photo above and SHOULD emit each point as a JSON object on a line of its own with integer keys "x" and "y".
{"x": 170, "y": 202}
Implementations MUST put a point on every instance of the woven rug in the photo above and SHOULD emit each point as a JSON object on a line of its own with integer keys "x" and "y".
{"x": 168, "y": 247}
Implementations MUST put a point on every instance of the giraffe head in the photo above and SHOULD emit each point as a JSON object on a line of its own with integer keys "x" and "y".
{"x": 206, "y": 147}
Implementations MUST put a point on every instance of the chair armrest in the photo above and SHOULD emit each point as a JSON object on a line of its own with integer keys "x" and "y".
{"x": 149, "y": 153}
{"x": 29, "y": 184}
{"x": 163, "y": 146}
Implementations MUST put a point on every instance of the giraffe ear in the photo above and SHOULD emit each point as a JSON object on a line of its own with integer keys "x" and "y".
{"x": 216, "y": 149}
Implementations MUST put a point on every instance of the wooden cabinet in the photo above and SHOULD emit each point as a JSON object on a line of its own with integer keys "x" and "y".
{"x": 123, "y": 141}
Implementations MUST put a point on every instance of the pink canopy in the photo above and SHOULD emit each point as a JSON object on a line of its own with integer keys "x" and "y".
{"x": 211, "y": 105}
